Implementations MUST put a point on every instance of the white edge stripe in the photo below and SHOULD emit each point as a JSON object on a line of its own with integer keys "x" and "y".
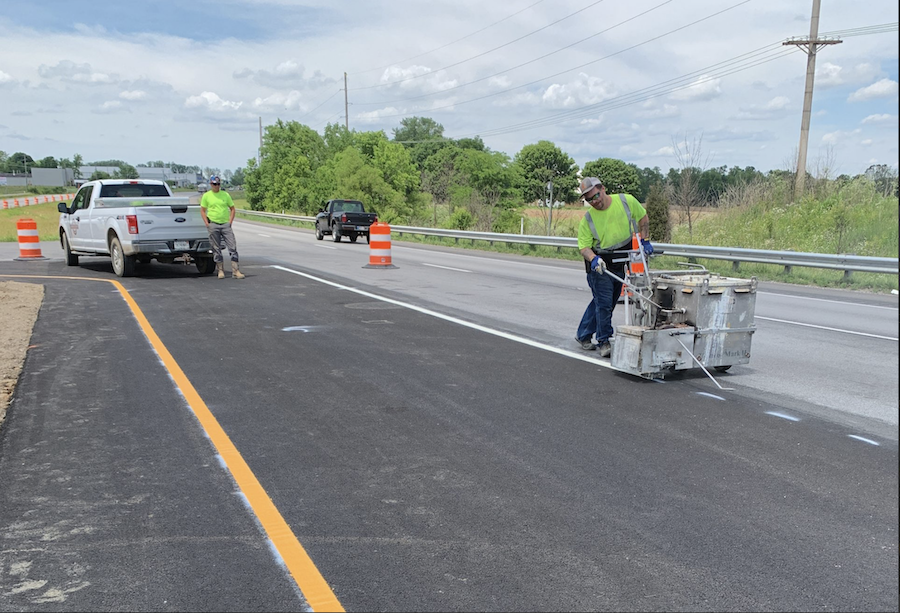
{"x": 445, "y": 267}
{"x": 865, "y": 440}
{"x": 518, "y": 339}
{"x": 797, "y": 323}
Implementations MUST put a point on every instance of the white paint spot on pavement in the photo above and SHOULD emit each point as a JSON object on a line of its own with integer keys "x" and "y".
{"x": 865, "y": 440}
{"x": 782, "y": 416}
{"x": 708, "y": 395}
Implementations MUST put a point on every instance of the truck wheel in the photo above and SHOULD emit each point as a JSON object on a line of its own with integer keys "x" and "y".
{"x": 123, "y": 265}
{"x": 205, "y": 266}
{"x": 352, "y": 237}
{"x": 71, "y": 258}
{"x": 722, "y": 368}
{"x": 335, "y": 233}
{"x": 319, "y": 235}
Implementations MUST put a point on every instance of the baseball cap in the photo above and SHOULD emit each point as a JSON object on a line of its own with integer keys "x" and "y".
{"x": 214, "y": 179}
{"x": 589, "y": 183}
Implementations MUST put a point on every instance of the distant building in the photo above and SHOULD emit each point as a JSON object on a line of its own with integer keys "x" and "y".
{"x": 55, "y": 177}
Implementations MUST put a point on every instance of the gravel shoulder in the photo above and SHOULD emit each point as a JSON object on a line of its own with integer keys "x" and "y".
{"x": 19, "y": 306}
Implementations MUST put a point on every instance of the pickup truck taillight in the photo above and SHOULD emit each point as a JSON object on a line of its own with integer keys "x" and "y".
{"x": 131, "y": 220}
{"x": 375, "y": 220}
{"x": 343, "y": 217}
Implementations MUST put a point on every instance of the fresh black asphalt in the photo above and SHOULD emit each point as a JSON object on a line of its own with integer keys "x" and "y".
{"x": 423, "y": 465}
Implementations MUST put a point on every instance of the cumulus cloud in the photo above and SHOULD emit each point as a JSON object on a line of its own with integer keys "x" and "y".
{"x": 651, "y": 110}
{"x": 773, "y": 108}
{"x": 704, "y": 88}
{"x": 69, "y": 71}
{"x": 880, "y": 89}
{"x": 584, "y": 90}
{"x": 882, "y": 119}
{"x": 373, "y": 116}
{"x": 109, "y": 107}
{"x": 290, "y": 100}
{"x": 417, "y": 77}
{"x": 135, "y": 94}
{"x": 287, "y": 74}
{"x": 838, "y": 136}
{"x": 211, "y": 101}
{"x": 5, "y": 78}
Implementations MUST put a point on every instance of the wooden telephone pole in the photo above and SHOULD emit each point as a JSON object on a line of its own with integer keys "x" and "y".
{"x": 811, "y": 47}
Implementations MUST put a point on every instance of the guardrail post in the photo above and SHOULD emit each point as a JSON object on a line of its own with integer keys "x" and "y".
{"x": 847, "y": 275}
{"x": 735, "y": 266}
{"x": 787, "y": 269}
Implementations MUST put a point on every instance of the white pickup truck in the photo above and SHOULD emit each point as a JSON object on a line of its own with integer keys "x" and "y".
{"x": 133, "y": 221}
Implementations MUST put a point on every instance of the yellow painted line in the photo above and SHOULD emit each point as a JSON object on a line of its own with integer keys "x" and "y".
{"x": 310, "y": 581}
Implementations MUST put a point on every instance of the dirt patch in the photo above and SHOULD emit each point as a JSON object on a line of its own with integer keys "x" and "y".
{"x": 19, "y": 304}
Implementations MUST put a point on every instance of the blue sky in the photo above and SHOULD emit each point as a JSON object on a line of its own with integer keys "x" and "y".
{"x": 189, "y": 82}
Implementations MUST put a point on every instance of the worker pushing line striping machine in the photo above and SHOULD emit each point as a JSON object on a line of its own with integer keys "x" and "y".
{"x": 681, "y": 319}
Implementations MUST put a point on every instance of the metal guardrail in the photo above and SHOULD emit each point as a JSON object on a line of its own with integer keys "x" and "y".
{"x": 736, "y": 255}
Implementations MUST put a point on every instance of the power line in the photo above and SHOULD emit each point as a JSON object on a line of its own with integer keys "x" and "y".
{"x": 865, "y": 30}
{"x": 484, "y": 53}
{"x": 497, "y": 93}
{"x": 451, "y": 42}
{"x": 444, "y": 91}
{"x": 308, "y": 113}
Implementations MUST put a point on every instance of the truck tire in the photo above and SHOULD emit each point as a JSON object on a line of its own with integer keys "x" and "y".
{"x": 205, "y": 266}
{"x": 123, "y": 265}
{"x": 319, "y": 235}
{"x": 335, "y": 233}
{"x": 723, "y": 368}
{"x": 71, "y": 258}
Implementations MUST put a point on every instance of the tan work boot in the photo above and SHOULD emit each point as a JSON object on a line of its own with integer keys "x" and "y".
{"x": 235, "y": 271}
{"x": 220, "y": 270}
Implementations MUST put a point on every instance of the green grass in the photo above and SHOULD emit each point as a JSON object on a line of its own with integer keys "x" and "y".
{"x": 46, "y": 216}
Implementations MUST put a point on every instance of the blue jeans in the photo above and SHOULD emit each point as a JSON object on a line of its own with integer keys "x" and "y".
{"x": 597, "y": 318}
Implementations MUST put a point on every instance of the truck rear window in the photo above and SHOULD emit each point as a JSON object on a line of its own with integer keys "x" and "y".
{"x": 133, "y": 190}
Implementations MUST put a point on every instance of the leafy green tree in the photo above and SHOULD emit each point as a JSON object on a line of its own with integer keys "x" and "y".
{"x": 47, "y": 162}
{"x": 657, "y": 206}
{"x": 492, "y": 188}
{"x": 423, "y": 137}
{"x": 541, "y": 163}
{"x": 617, "y": 176}
{"x": 126, "y": 171}
{"x": 237, "y": 178}
{"x": 4, "y": 158}
{"x": 77, "y": 163}
{"x": 337, "y": 138}
{"x": 366, "y": 142}
{"x": 284, "y": 143}
{"x": 648, "y": 178}
{"x": 19, "y": 162}
{"x": 99, "y": 174}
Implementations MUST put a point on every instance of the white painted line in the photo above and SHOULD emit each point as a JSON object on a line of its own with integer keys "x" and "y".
{"x": 783, "y": 416}
{"x": 455, "y": 320}
{"x": 871, "y": 306}
{"x": 865, "y": 440}
{"x": 709, "y": 395}
{"x": 266, "y": 235}
{"x": 797, "y": 323}
{"x": 445, "y": 267}
{"x": 325, "y": 247}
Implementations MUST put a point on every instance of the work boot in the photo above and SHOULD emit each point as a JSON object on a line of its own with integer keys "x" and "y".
{"x": 605, "y": 349}
{"x": 235, "y": 271}
{"x": 220, "y": 270}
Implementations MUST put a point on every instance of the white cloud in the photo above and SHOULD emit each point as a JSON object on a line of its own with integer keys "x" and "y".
{"x": 133, "y": 95}
{"x": 70, "y": 72}
{"x": 418, "y": 78}
{"x": 773, "y": 108}
{"x": 211, "y": 101}
{"x": 652, "y": 110}
{"x": 704, "y": 88}
{"x": 667, "y": 151}
{"x": 828, "y": 74}
{"x": 5, "y": 78}
{"x": 286, "y": 101}
{"x": 880, "y": 89}
{"x": 583, "y": 91}
{"x": 881, "y": 119}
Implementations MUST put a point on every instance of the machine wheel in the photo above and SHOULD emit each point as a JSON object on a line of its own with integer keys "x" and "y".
{"x": 723, "y": 368}
{"x": 205, "y": 266}
{"x": 71, "y": 258}
{"x": 319, "y": 235}
{"x": 123, "y": 265}
{"x": 335, "y": 233}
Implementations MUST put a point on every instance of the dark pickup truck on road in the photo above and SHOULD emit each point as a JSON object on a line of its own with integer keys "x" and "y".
{"x": 344, "y": 218}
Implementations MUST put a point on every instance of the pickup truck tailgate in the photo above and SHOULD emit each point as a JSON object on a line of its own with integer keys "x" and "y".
{"x": 173, "y": 218}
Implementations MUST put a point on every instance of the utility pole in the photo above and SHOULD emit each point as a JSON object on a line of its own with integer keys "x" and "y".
{"x": 810, "y": 46}
{"x": 346, "y": 114}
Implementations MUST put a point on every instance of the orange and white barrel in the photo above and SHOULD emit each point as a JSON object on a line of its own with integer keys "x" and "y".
{"x": 29, "y": 240}
{"x": 379, "y": 246}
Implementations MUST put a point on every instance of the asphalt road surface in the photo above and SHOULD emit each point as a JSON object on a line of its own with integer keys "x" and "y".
{"x": 313, "y": 438}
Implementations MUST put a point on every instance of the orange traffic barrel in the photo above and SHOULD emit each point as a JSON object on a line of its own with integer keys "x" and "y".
{"x": 379, "y": 246}
{"x": 636, "y": 263}
{"x": 29, "y": 241}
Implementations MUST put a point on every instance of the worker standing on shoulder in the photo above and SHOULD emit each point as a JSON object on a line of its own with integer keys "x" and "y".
{"x": 217, "y": 210}
{"x": 607, "y": 226}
